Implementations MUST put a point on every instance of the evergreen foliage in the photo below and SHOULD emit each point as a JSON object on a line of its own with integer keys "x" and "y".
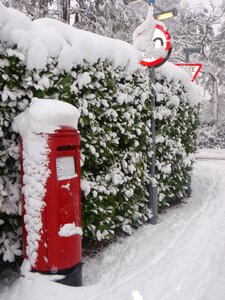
{"x": 115, "y": 142}
{"x": 177, "y": 124}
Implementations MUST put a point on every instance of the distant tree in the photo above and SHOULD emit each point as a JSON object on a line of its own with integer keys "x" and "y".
{"x": 198, "y": 27}
{"x": 107, "y": 17}
{"x": 217, "y": 53}
{"x": 195, "y": 27}
{"x": 34, "y": 8}
{"x": 63, "y": 9}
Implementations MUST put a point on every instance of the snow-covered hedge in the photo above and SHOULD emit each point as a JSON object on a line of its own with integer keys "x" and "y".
{"x": 177, "y": 122}
{"x": 115, "y": 120}
{"x": 114, "y": 97}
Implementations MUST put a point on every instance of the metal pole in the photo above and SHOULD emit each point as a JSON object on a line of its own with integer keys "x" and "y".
{"x": 189, "y": 189}
{"x": 153, "y": 194}
{"x": 187, "y": 57}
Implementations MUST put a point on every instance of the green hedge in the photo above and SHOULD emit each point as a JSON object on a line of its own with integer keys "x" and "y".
{"x": 115, "y": 123}
{"x": 176, "y": 139}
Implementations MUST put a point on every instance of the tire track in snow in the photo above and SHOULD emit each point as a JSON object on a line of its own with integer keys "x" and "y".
{"x": 202, "y": 256}
{"x": 154, "y": 261}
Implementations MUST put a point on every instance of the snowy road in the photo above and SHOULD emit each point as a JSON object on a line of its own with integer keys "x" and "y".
{"x": 181, "y": 258}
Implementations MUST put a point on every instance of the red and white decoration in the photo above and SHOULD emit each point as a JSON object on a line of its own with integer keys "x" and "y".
{"x": 192, "y": 69}
{"x": 161, "y": 39}
{"x": 153, "y": 40}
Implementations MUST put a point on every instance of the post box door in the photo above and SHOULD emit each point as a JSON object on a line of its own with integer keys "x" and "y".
{"x": 64, "y": 206}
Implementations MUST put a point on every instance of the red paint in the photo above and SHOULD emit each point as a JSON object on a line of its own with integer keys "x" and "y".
{"x": 167, "y": 48}
{"x": 62, "y": 206}
{"x": 191, "y": 65}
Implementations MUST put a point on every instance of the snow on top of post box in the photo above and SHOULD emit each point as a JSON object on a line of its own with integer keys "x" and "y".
{"x": 46, "y": 116}
{"x": 39, "y": 40}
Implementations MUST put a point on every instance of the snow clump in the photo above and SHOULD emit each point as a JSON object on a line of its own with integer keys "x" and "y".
{"x": 70, "y": 230}
{"x": 41, "y": 39}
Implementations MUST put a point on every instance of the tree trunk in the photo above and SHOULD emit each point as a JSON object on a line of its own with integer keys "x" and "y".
{"x": 215, "y": 101}
{"x": 64, "y": 10}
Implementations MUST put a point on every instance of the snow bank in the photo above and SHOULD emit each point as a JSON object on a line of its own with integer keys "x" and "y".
{"x": 48, "y": 38}
{"x": 217, "y": 154}
{"x": 181, "y": 258}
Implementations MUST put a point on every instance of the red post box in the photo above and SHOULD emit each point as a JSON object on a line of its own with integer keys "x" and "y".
{"x": 59, "y": 250}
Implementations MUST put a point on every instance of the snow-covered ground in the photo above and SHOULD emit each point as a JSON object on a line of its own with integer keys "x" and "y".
{"x": 182, "y": 257}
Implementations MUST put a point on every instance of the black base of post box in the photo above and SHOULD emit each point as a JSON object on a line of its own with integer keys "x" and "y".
{"x": 73, "y": 276}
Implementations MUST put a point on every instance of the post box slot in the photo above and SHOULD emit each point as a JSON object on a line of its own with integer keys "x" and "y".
{"x": 66, "y": 147}
{"x": 65, "y": 167}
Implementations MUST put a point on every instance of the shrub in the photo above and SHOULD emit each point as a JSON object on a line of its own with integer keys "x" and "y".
{"x": 176, "y": 122}
{"x": 115, "y": 120}
{"x": 116, "y": 111}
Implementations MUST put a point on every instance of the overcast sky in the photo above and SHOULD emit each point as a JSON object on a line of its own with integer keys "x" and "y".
{"x": 205, "y": 2}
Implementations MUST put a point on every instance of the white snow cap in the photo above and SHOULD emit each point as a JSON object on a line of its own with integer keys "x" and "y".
{"x": 46, "y": 116}
{"x": 41, "y": 39}
{"x": 44, "y": 38}
{"x": 144, "y": 34}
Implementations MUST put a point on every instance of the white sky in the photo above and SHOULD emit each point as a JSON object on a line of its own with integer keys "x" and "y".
{"x": 204, "y": 2}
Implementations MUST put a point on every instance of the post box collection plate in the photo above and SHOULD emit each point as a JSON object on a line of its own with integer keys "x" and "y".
{"x": 65, "y": 167}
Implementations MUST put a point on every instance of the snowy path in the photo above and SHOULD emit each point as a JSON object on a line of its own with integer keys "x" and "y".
{"x": 181, "y": 258}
